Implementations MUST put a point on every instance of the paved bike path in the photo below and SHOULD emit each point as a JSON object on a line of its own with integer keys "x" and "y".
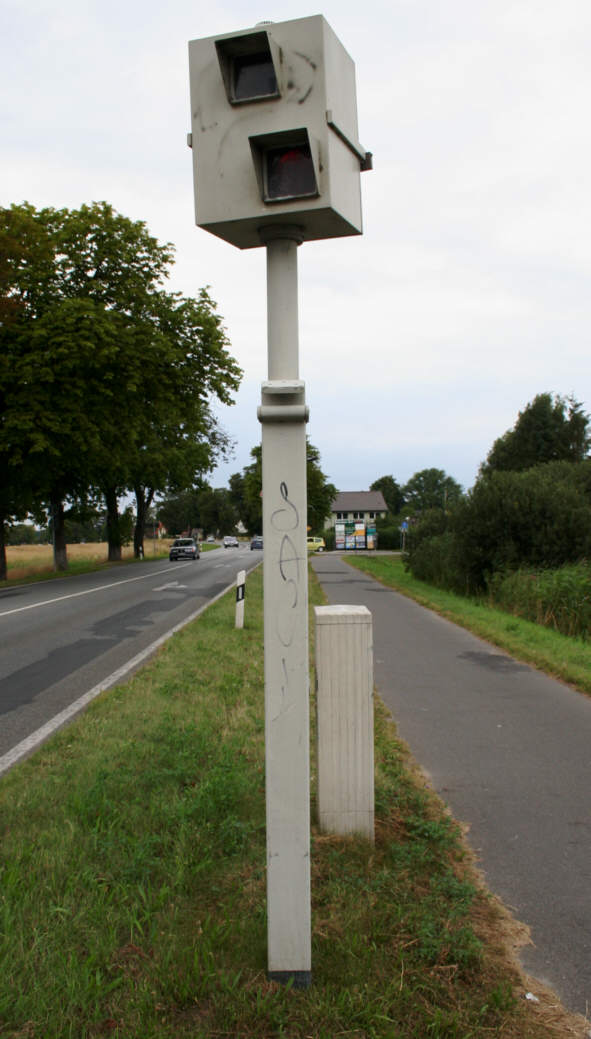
{"x": 509, "y": 750}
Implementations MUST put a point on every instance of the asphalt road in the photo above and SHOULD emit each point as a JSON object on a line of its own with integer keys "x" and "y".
{"x": 61, "y": 639}
{"x": 509, "y": 750}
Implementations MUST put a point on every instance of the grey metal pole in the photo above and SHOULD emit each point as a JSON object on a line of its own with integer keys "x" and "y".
{"x": 282, "y": 307}
{"x": 283, "y": 415}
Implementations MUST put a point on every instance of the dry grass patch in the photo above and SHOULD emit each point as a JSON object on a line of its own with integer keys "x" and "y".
{"x": 27, "y": 562}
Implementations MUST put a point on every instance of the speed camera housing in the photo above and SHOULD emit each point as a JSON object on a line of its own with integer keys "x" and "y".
{"x": 274, "y": 132}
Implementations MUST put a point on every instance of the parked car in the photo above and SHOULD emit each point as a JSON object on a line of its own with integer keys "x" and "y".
{"x": 316, "y": 544}
{"x": 230, "y": 542}
{"x": 210, "y": 539}
{"x": 184, "y": 548}
{"x": 257, "y": 542}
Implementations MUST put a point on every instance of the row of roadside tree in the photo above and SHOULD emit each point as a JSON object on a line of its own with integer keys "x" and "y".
{"x": 221, "y": 510}
{"x": 107, "y": 378}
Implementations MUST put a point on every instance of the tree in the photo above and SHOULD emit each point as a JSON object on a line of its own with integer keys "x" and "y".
{"x": 321, "y": 493}
{"x": 245, "y": 495}
{"x": 179, "y": 512}
{"x": 58, "y": 402}
{"x": 252, "y": 492}
{"x": 115, "y": 375}
{"x": 22, "y": 534}
{"x": 540, "y": 517}
{"x": 216, "y": 511}
{"x": 204, "y": 507}
{"x": 246, "y": 489}
{"x": 550, "y": 428}
{"x": 180, "y": 437}
{"x": 431, "y": 489}
{"x": 392, "y": 493}
{"x": 15, "y": 497}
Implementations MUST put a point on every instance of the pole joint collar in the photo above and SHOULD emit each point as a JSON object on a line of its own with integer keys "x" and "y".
{"x": 281, "y": 232}
{"x": 283, "y": 400}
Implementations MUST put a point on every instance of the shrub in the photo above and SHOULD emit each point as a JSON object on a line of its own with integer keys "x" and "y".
{"x": 559, "y": 599}
{"x": 389, "y": 537}
{"x": 388, "y": 532}
{"x": 433, "y": 561}
{"x": 539, "y": 518}
{"x": 329, "y": 539}
{"x": 434, "y": 553}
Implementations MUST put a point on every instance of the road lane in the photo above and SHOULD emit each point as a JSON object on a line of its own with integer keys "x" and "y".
{"x": 58, "y": 641}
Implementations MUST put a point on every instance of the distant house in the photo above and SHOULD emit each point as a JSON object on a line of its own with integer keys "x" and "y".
{"x": 357, "y": 505}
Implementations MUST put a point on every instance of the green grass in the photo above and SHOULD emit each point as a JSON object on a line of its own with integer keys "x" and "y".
{"x": 559, "y": 655}
{"x": 132, "y": 878}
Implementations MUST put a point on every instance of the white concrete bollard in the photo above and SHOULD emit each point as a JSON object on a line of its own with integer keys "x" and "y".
{"x": 240, "y": 593}
{"x": 344, "y": 710}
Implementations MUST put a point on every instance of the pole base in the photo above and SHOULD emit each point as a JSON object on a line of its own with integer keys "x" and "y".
{"x": 301, "y": 978}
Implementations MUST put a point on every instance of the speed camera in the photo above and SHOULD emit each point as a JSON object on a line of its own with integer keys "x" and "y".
{"x": 274, "y": 132}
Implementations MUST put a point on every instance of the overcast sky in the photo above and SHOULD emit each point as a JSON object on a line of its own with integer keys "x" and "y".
{"x": 468, "y": 293}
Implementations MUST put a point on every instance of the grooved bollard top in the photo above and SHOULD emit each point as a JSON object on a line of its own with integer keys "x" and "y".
{"x": 342, "y": 614}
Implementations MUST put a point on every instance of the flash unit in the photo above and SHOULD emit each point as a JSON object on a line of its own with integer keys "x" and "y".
{"x": 285, "y": 166}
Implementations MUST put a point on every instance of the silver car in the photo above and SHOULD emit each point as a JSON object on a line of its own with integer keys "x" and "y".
{"x": 184, "y": 548}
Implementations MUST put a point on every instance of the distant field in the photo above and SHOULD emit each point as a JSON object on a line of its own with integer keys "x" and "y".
{"x": 37, "y": 560}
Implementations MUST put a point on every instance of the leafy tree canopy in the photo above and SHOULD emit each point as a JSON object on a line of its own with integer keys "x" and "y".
{"x": 50, "y": 255}
{"x": 246, "y": 488}
{"x": 107, "y": 378}
{"x": 540, "y": 517}
{"x": 392, "y": 493}
{"x": 431, "y": 489}
{"x": 550, "y": 428}
{"x": 206, "y": 508}
{"x": 321, "y": 493}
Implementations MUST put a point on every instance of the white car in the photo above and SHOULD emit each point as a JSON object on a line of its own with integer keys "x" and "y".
{"x": 231, "y": 542}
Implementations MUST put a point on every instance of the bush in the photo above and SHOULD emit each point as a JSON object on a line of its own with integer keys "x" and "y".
{"x": 433, "y": 551}
{"x": 539, "y": 518}
{"x": 389, "y": 538}
{"x": 22, "y": 534}
{"x": 559, "y": 599}
{"x": 435, "y": 560}
{"x": 329, "y": 539}
{"x": 388, "y": 532}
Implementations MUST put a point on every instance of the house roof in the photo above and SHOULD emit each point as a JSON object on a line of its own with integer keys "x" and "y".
{"x": 359, "y": 501}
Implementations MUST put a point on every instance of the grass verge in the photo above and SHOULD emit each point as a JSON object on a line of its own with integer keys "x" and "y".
{"x": 561, "y": 656}
{"x": 132, "y": 878}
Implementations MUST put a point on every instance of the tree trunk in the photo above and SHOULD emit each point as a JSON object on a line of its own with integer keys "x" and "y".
{"x": 3, "y": 564}
{"x": 113, "y": 527}
{"x": 143, "y": 500}
{"x": 58, "y": 530}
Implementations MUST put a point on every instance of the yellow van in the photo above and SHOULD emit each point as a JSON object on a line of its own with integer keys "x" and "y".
{"x": 316, "y": 544}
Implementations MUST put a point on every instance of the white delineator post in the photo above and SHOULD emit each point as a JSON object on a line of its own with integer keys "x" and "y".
{"x": 240, "y": 593}
{"x": 344, "y": 707}
{"x": 283, "y": 415}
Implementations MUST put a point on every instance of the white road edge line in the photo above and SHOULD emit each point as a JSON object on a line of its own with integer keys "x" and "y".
{"x": 90, "y": 591}
{"x": 28, "y": 745}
